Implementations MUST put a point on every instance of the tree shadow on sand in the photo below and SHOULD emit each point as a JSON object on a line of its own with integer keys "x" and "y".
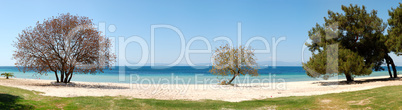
{"x": 362, "y": 81}
{"x": 78, "y": 85}
{"x": 9, "y": 102}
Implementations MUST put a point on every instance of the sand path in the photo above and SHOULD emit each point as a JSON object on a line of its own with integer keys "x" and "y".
{"x": 237, "y": 93}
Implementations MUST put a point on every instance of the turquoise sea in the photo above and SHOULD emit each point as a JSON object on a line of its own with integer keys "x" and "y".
{"x": 181, "y": 74}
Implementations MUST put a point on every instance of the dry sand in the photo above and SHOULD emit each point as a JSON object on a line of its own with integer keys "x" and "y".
{"x": 236, "y": 93}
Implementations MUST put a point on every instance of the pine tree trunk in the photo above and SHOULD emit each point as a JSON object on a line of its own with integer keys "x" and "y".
{"x": 349, "y": 77}
{"x": 394, "y": 69}
{"x": 387, "y": 57}
{"x": 389, "y": 70}
{"x": 234, "y": 76}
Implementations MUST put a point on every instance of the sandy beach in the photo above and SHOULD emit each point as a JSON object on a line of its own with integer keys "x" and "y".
{"x": 239, "y": 92}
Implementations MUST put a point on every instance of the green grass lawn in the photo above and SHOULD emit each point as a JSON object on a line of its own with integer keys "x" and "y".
{"x": 379, "y": 98}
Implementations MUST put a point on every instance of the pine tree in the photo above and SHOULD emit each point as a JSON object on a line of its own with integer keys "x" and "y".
{"x": 394, "y": 40}
{"x": 359, "y": 35}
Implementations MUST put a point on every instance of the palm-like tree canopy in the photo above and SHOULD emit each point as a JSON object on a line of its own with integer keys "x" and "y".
{"x": 7, "y": 75}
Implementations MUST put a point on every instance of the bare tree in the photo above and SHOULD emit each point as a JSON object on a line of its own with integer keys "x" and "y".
{"x": 234, "y": 61}
{"x": 65, "y": 44}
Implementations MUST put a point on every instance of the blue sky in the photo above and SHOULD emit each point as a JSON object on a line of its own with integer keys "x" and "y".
{"x": 208, "y": 19}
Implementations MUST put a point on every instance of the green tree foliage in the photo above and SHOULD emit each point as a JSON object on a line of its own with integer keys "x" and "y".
{"x": 358, "y": 33}
{"x": 394, "y": 38}
{"x": 6, "y": 74}
{"x": 327, "y": 64}
{"x": 234, "y": 61}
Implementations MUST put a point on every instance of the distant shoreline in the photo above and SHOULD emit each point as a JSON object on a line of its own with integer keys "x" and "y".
{"x": 188, "y": 74}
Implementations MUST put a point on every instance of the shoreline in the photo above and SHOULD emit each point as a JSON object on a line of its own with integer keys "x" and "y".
{"x": 184, "y": 80}
{"x": 240, "y": 92}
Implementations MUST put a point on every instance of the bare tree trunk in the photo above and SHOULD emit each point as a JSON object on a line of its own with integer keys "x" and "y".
{"x": 234, "y": 76}
{"x": 57, "y": 77}
{"x": 66, "y": 78}
{"x": 62, "y": 76}
{"x": 70, "y": 77}
{"x": 70, "y": 72}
